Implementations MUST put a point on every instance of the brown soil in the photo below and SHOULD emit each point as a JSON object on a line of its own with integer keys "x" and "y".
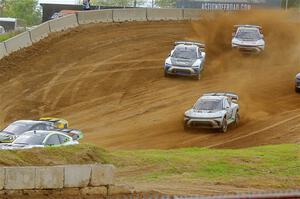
{"x": 107, "y": 79}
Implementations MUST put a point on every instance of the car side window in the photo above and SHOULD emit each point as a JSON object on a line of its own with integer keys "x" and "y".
{"x": 53, "y": 140}
{"x": 63, "y": 139}
{"x": 229, "y": 101}
{"x": 226, "y": 104}
{"x": 199, "y": 53}
{"x": 39, "y": 127}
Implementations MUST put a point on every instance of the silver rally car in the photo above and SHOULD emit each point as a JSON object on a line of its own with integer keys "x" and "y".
{"x": 39, "y": 138}
{"x": 248, "y": 38}
{"x": 213, "y": 110}
{"x": 186, "y": 59}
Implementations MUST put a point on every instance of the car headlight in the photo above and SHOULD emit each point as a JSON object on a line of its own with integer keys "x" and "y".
{"x": 168, "y": 65}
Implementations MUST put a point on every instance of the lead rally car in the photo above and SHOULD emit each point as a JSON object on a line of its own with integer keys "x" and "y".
{"x": 186, "y": 59}
{"x": 213, "y": 110}
{"x": 248, "y": 38}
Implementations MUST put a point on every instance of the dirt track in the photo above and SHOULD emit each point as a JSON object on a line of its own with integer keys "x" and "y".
{"x": 107, "y": 80}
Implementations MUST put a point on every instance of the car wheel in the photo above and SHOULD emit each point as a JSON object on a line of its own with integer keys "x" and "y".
{"x": 224, "y": 126}
{"x": 198, "y": 76}
{"x": 237, "y": 119}
{"x": 185, "y": 126}
{"x": 297, "y": 90}
{"x": 166, "y": 74}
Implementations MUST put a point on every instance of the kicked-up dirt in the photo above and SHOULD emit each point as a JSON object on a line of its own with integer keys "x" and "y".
{"x": 107, "y": 79}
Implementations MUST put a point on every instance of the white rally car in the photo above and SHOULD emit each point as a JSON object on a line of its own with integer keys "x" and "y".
{"x": 186, "y": 59}
{"x": 248, "y": 38}
{"x": 213, "y": 110}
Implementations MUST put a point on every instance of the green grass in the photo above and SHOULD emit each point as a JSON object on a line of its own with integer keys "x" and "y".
{"x": 277, "y": 166}
{"x": 6, "y": 36}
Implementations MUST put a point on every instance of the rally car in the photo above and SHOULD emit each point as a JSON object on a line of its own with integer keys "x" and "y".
{"x": 186, "y": 59}
{"x": 213, "y": 110}
{"x": 39, "y": 138}
{"x": 58, "y": 122}
{"x": 248, "y": 38}
{"x": 17, "y": 128}
{"x": 297, "y": 83}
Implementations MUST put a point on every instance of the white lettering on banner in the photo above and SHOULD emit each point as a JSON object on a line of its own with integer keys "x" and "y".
{"x": 225, "y": 6}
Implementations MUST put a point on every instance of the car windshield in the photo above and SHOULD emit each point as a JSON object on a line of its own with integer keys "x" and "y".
{"x": 250, "y": 34}
{"x": 18, "y": 128}
{"x": 185, "y": 53}
{"x": 30, "y": 139}
{"x": 208, "y": 105}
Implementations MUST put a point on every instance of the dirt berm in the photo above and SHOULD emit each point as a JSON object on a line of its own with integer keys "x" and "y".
{"x": 107, "y": 79}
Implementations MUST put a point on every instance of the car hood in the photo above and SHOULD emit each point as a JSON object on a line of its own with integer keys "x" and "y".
{"x": 248, "y": 42}
{"x": 182, "y": 62}
{"x": 6, "y": 137}
{"x": 205, "y": 113}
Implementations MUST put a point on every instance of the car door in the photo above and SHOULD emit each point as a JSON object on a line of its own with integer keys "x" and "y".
{"x": 52, "y": 140}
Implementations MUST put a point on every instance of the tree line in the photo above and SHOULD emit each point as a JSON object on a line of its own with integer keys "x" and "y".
{"x": 27, "y": 10}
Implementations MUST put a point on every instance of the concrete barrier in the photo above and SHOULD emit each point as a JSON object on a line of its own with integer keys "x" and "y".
{"x": 63, "y": 23}
{"x": 2, "y": 178}
{"x": 156, "y": 14}
{"x": 95, "y": 16}
{"x": 56, "y": 177}
{"x": 191, "y": 14}
{"x": 133, "y": 14}
{"x": 77, "y": 175}
{"x": 18, "y": 42}
{"x": 39, "y": 32}
{"x": 3, "y": 52}
{"x": 102, "y": 175}
{"x": 19, "y": 178}
{"x": 49, "y": 177}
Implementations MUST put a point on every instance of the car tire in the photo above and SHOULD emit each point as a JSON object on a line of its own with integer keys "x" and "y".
{"x": 297, "y": 90}
{"x": 224, "y": 126}
{"x": 237, "y": 119}
{"x": 166, "y": 74}
{"x": 185, "y": 126}
{"x": 198, "y": 76}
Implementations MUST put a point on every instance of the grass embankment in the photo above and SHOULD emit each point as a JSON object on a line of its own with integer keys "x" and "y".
{"x": 79, "y": 154}
{"x": 276, "y": 166}
{"x": 6, "y": 36}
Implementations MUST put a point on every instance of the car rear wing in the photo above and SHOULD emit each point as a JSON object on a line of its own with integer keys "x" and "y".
{"x": 200, "y": 45}
{"x": 58, "y": 122}
{"x": 74, "y": 133}
{"x": 235, "y": 27}
{"x": 232, "y": 96}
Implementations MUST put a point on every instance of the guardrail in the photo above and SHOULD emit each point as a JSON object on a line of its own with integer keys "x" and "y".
{"x": 40, "y": 32}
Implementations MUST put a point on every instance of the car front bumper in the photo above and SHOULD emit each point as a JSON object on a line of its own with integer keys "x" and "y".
{"x": 248, "y": 49}
{"x": 183, "y": 71}
{"x": 203, "y": 122}
{"x": 297, "y": 84}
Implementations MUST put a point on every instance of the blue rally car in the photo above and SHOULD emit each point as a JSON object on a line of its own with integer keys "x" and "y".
{"x": 186, "y": 59}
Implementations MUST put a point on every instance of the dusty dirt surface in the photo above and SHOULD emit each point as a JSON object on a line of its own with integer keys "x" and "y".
{"x": 107, "y": 79}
